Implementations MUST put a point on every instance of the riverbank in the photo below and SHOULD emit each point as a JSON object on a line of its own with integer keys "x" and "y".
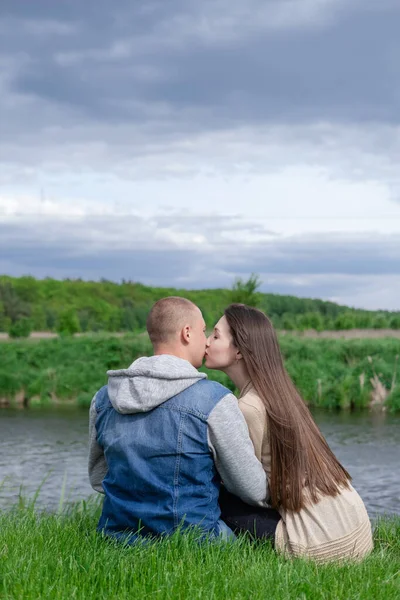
{"x": 59, "y": 556}
{"x": 330, "y": 373}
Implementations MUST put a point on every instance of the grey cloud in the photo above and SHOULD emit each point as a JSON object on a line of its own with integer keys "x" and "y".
{"x": 334, "y": 75}
{"x": 140, "y": 79}
{"x": 93, "y": 247}
{"x": 372, "y": 292}
{"x": 212, "y": 226}
{"x": 295, "y": 75}
{"x": 321, "y": 255}
{"x": 127, "y": 247}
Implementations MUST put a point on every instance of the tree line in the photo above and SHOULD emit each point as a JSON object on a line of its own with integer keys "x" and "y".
{"x": 73, "y": 305}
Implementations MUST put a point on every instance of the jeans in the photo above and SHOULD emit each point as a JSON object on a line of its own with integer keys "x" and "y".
{"x": 222, "y": 532}
{"x": 225, "y": 533}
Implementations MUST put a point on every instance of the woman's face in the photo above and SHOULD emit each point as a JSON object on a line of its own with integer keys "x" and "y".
{"x": 220, "y": 350}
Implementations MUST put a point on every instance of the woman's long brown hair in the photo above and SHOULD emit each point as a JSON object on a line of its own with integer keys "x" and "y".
{"x": 300, "y": 456}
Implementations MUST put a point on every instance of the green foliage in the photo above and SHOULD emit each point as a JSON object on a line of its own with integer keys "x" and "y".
{"x": 13, "y": 306}
{"x": 5, "y": 321}
{"x": 393, "y": 400}
{"x": 328, "y": 373}
{"x": 108, "y": 306}
{"x": 311, "y": 320}
{"x": 346, "y": 320}
{"x": 245, "y": 292}
{"x": 394, "y": 322}
{"x": 60, "y": 556}
{"x": 380, "y": 321}
{"x": 39, "y": 318}
{"x": 10, "y": 384}
{"x": 288, "y": 322}
{"x": 21, "y": 328}
{"x": 68, "y": 323}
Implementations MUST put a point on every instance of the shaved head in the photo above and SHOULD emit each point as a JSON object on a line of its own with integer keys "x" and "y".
{"x": 168, "y": 316}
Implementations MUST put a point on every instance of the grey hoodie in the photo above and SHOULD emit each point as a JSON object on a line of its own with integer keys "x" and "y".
{"x": 149, "y": 382}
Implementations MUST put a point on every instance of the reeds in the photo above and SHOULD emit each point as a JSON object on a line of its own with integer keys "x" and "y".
{"x": 334, "y": 374}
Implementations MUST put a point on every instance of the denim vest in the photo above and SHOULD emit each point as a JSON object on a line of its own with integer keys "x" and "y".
{"x": 161, "y": 473}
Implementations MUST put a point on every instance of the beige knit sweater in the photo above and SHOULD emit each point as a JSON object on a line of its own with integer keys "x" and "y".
{"x": 331, "y": 529}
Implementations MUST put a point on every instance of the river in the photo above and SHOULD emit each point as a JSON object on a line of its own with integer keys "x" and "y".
{"x": 47, "y": 447}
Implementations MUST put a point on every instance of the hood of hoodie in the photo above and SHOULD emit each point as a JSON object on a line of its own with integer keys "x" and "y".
{"x": 150, "y": 381}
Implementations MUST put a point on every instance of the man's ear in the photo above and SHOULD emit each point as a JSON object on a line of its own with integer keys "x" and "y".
{"x": 185, "y": 333}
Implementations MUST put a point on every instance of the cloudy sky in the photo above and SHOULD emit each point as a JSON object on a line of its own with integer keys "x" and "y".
{"x": 185, "y": 143}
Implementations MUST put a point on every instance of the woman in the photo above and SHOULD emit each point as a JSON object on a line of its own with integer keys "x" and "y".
{"x": 315, "y": 510}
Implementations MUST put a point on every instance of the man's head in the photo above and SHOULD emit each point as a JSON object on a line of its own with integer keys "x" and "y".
{"x": 176, "y": 326}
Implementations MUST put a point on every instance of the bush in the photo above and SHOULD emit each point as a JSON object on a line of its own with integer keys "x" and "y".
{"x": 395, "y": 322}
{"x": 344, "y": 321}
{"x": 380, "y": 322}
{"x": 288, "y": 322}
{"x": 311, "y": 320}
{"x": 22, "y": 328}
{"x": 68, "y": 323}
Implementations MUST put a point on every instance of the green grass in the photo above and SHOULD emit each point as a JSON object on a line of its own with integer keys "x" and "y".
{"x": 55, "y": 556}
{"x": 329, "y": 373}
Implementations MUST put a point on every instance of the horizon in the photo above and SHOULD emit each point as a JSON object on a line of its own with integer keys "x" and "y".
{"x": 194, "y": 289}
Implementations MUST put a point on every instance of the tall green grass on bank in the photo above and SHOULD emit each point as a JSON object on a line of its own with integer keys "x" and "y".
{"x": 60, "y": 556}
{"x": 336, "y": 374}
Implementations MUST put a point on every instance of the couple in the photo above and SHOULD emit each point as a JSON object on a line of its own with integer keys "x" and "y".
{"x": 170, "y": 448}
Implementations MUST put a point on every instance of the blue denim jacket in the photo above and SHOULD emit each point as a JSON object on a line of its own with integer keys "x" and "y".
{"x": 161, "y": 473}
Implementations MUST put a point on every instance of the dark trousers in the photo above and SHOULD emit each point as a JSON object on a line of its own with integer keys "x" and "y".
{"x": 259, "y": 523}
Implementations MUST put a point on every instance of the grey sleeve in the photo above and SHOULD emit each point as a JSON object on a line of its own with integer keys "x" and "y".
{"x": 230, "y": 443}
{"x": 97, "y": 465}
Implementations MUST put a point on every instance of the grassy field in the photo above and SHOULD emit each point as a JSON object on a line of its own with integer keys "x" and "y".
{"x": 330, "y": 373}
{"x": 54, "y": 556}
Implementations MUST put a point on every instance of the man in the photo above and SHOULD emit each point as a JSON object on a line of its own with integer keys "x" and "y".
{"x": 162, "y": 436}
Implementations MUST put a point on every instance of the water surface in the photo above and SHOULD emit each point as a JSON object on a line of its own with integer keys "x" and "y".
{"x": 49, "y": 446}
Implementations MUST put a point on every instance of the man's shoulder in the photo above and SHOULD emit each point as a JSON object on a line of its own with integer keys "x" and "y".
{"x": 200, "y": 398}
{"x": 101, "y": 399}
{"x": 213, "y": 387}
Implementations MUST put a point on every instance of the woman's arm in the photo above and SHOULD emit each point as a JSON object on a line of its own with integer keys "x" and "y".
{"x": 231, "y": 446}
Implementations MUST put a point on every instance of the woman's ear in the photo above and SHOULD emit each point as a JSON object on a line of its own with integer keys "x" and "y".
{"x": 238, "y": 355}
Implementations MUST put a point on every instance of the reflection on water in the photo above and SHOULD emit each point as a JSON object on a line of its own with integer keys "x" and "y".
{"x": 44, "y": 446}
